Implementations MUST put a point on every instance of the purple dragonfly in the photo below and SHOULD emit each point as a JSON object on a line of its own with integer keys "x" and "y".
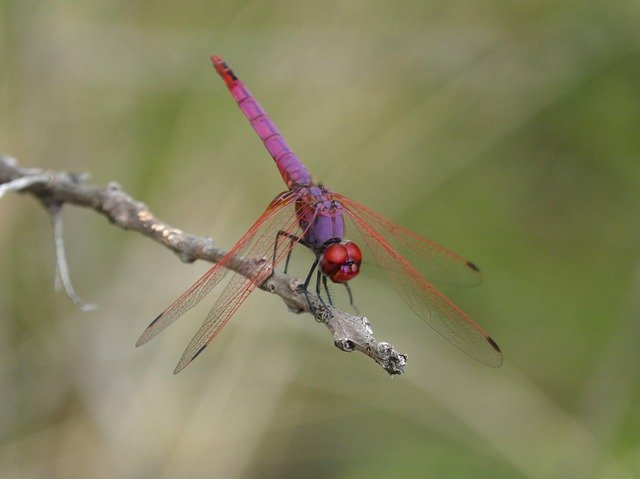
{"x": 312, "y": 215}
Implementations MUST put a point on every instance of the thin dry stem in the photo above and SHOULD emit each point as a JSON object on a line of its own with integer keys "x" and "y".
{"x": 350, "y": 333}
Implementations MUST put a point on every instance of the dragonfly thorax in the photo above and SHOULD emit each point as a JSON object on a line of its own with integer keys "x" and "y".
{"x": 340, "y": 261}
{"x": 319, "y": 216}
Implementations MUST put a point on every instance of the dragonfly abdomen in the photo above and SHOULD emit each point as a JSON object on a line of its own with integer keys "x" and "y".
{"x": 292, "y": 170}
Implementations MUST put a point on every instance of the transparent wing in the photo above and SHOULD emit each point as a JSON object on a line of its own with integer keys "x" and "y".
{"x": 272, "y": 244}
{"x": 432, "y": 260}
{"x": 218, "y": 271}
{"x": 426, "y": 301}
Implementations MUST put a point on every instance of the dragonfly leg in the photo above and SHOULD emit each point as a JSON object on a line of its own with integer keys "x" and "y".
{"x": 326, "y": 289}
{"x": 318, "y": 292}
{"x": 293, "y": 239}
{"x": 328, "y": 293}
{"x": 306, "y": 286}
{"x": 351, "y": 303}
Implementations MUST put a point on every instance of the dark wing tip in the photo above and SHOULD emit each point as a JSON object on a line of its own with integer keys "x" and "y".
{"x": 145, "y": 336}
{"x": 476, "y": 274}
{"x": 473, "y": 266}
{"x": 184, "y": 362}
{"x": 495, "y": 346}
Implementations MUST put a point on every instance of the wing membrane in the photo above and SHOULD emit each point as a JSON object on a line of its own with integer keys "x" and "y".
{"x": 218, "y": 271}
{"x": 426, "y": 301}
{"x": 435, "y": 262}
{"x": 241, "y": 286}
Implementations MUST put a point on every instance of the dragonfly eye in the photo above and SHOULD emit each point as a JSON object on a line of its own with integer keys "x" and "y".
{"x": 341, "y": 261}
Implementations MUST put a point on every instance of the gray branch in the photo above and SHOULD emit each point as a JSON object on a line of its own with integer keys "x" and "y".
{"x": 56, "y": 188}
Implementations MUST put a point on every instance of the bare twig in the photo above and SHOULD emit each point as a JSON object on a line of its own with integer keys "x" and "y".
{"x": 58, "y": 188}
{"x": 62, "y": 270}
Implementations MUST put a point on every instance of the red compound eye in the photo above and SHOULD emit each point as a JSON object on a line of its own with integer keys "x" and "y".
{"x": 341, "y": 261}
{"x": 354, "y": 252}
{"x": 332, "y": 258}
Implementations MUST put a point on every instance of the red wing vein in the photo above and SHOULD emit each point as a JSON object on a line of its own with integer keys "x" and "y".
{"x": 241, "y": 286}
{"x": 426, "y": 301}
{"x": 434, "y": 261}
{"x": 212, "y": 277}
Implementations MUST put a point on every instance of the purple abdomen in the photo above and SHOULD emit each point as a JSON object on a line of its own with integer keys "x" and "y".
{"x": 291, "y": 168}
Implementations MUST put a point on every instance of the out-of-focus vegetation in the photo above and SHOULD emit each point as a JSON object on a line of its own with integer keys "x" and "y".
{"x": 508, "y": 132}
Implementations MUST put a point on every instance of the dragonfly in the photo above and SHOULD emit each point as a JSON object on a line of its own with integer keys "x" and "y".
{"x": 314, "y": 216}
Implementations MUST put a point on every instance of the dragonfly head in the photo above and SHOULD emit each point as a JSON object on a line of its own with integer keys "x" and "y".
{"x": 341, "y": 261}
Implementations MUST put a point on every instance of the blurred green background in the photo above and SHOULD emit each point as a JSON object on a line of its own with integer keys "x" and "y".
{"x": 506, "y": 131}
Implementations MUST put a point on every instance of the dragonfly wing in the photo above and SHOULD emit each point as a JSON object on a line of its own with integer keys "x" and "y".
{"x": 434, "y": 261}
{"x": 426, "y": 301}
{"x": 218, "y": 271}
{"x": 229, "y": 301}
{"x": 265, "y": 253}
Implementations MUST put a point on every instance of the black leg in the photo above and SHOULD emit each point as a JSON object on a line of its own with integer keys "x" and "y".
{"x": 318, "y": 275}
{"x": 326, "y": 289}
{"x": 306, "y": 286}
{"x": 348, "y": 288}
{"x": 286, "y": 263}
{"x": 292, "y": 239}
